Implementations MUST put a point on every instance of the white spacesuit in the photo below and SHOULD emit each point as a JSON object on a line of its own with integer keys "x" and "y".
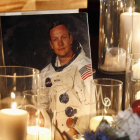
{"x": 73, "y": 87}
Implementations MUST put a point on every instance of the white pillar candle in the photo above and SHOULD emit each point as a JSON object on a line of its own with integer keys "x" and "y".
{"x": 115, "y": 60}
{"x": 13, "y": 124}
{"x": 34, "y": 132}
{"x": 95, "y": 121}
{"x": 130, "y": 31}
{"x": 136, "y": 71}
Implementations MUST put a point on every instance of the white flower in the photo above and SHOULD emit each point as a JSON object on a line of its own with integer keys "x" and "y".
{"x": 129, "y": 123}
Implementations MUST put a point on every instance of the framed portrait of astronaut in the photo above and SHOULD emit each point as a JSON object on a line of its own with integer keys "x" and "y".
{"x": 26, "y": 41}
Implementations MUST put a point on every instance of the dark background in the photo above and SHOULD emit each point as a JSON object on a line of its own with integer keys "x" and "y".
{"x": 26, "y": 39}
{"x": 93, "y": 11}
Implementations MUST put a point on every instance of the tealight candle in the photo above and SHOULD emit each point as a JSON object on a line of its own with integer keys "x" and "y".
{"x": 95, "y": 121}
{"x": 41, "y": 132}
{"x": 136, "y": 70}
{"x": 13, "y": 124}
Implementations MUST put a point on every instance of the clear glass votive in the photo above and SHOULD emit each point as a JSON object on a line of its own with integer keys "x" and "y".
{"x": 132, "y": 80}
{"x": 117, "y": 34}
{"x": 30, "y": 104}
{"x": 47, "y": 106}
{"x": 14, "y": 116}
{"x": 105, "y": 100}
{"x": 42, "y": 113}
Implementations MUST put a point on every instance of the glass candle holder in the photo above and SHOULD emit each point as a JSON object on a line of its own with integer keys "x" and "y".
{"x": 30, "y": 104}
{"x": 14, "y": 112}
{"x": 132, "y": 86}
{"x": 42, "y": 113}
{"x": 115, "y": 35}
{"x": 105, "y": 100}
{"x": 47, "y": 106}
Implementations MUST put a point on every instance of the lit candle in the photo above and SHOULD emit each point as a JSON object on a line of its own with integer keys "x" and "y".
{"x": 137, "y": 97}
{"x": 136, "y": 70}
{"x": 13, "y": 124}
{"x": 78, "y": 137}
{"x": 130, "y": 31}
{"x": 115, "y": 60}
{"x": 35, "y": 131}
{"x": 95, "y": 121}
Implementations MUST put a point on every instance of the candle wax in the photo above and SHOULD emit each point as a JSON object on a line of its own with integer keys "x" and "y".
{"x": 35, "y": 131}
{"x": 13, "y": 124}
{"x": 136, "y": 71}
{"x": 115, "y": 60}
{"x": 130, "y": 31}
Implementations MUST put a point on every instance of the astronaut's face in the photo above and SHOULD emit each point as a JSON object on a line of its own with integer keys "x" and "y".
{"x": 61, "y": 41}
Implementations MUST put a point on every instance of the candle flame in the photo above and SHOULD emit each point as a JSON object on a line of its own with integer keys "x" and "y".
{"x": 130, "y": 9}
{"x": 14, "y": 105}
{"x": 12, "y": 95}
{"x": 121, "y": 4}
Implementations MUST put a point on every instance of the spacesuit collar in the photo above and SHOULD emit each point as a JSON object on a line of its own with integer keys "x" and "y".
{"x": 60, "y": 68}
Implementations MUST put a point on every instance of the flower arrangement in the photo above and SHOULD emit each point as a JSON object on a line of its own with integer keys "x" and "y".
{"x": 126, "y": 126}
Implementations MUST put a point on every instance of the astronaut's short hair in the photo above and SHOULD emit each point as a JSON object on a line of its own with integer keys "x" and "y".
{"x": 55, "y": 24}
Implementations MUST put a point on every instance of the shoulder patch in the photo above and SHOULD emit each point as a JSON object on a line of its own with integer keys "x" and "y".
{"x": 86, "y": 71}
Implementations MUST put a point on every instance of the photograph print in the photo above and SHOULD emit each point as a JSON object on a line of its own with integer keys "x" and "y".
{"x": 58, "y": 45}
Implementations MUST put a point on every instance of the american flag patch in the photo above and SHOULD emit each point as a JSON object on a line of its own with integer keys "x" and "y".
{"x": 86, "y": 71}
